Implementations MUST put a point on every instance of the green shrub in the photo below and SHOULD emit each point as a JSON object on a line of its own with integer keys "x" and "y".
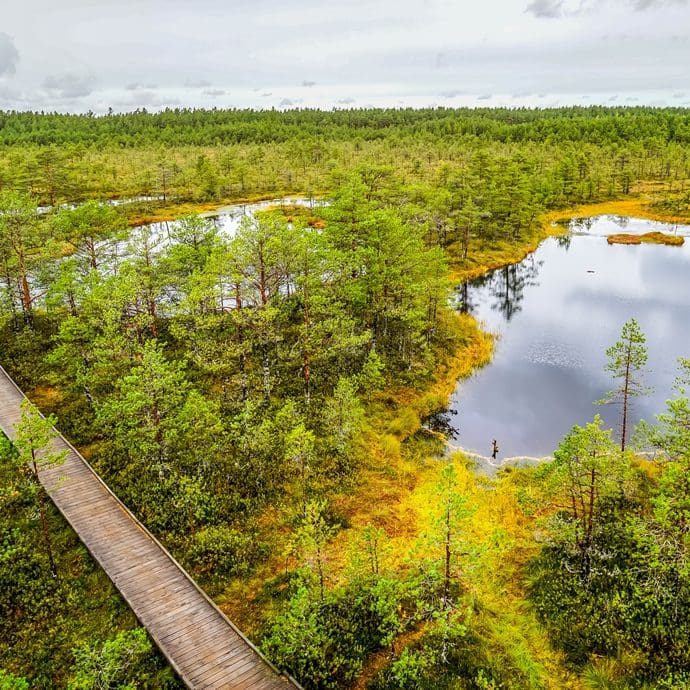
{"x": 221, "y": 550}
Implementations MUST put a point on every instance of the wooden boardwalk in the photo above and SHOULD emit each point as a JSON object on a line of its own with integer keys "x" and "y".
{"x": 200, "y": 643}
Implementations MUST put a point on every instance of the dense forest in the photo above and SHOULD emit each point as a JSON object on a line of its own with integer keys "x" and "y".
{"x": 259, "y": 398}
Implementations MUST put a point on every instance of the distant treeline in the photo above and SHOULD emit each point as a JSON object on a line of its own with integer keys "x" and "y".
{"x": 175, "y": 127}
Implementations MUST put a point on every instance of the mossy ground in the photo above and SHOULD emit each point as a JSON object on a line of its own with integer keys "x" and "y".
{"x": 647, "y": 238}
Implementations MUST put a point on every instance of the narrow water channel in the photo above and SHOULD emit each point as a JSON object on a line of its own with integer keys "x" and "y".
{"x": 554, "y": 314}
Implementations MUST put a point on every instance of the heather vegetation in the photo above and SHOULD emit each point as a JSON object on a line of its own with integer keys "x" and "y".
{"x": 257, "y": 399}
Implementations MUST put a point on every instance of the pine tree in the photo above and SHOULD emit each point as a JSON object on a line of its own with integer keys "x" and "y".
{"x": 627, "y": 360}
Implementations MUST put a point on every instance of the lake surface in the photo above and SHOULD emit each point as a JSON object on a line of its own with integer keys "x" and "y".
{"x": 554, "y": 315}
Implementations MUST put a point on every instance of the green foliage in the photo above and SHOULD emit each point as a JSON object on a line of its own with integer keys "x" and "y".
{"x": 614, "y": 574}
{"x": 9, "y": 681}
{"x": 407, "y": 671}
{"x": 343, "y": 419}
{"x": 627, "y": 359}
{"x": 42, "y": 617}
{"x": 86, "y": 228}
{"x": 219, "y": 551}
{"x": 672, "y": 432}
{"x": 371, "y": 378}
{"x": 324, "y": 642}
{"x": 458, "y": 651}
{"x": 23, "y": 243}
{"x": 587, "y": 471}
{"x": 124, "y": 661}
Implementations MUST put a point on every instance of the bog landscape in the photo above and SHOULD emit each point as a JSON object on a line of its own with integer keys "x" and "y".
{"x": 403, "y": 390}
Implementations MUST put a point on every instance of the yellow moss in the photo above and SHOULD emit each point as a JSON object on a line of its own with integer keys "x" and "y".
{"x": 405, "y": 423}
{"x": 170, "y": 210}
{"x": 637, "y": 207}
{"x": 390, "y": 447}
{"x": 648, "y": 238}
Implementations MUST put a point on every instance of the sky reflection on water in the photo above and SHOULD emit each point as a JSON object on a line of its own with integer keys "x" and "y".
{"x": 555, "y": 314}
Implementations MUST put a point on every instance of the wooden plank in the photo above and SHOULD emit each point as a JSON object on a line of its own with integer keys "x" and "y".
{"x": 251, "y": 677}
{"x": 185, "y": 627}
{"x": 201, "y": 644}
{"x": 228, "y": 665}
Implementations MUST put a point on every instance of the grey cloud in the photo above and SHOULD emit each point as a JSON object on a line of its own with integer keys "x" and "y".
{"x": 9, "y": 56}
{"x": 484, "y": 97}
{"x": 214, "y": 92}
{"x": 285, "y": 103}
{"x": 548, "y": 9}
{"x": 553, "y": 9}
{"x": 70, "y": 85}
{"x": 641, "y": 5}
{"x": 7, "y": 94}
{"x": 150, "y": 98}
{"x": 308, "y": 84}
{"x": 201, "y": 84}
{"x": 440, "y": 60}
{"x": 137, "y": 86}
{"x": 451, "y": 94}
{"x": 346, "y": 101}
{"x": 622, "y": 67}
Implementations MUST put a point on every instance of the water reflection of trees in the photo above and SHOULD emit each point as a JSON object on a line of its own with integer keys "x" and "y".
{"x": 564, "y": 241}
{"x": 581, "y": 224}
{"x": 442, "y": 423}
{"x": 504, "y": 286}
{"x": 464, "y": 294}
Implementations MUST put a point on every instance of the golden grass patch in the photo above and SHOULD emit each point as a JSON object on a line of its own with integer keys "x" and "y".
{"x": 647, "y": 238}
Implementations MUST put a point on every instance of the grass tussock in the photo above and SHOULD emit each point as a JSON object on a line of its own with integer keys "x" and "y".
{"x": 647, "y": 238}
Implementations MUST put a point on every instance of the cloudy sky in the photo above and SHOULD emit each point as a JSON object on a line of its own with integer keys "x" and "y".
{"x": 76, "y": 55}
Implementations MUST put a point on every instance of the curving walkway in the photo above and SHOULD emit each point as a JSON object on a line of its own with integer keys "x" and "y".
{"x": 200, "y": 643}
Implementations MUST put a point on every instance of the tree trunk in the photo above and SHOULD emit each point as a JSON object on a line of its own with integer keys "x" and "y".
{"x": 44, "y": 520}
{"x": 625, "y": 401}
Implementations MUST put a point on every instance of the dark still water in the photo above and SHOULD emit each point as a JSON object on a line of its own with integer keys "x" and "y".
{"x": 555, "y": 314}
